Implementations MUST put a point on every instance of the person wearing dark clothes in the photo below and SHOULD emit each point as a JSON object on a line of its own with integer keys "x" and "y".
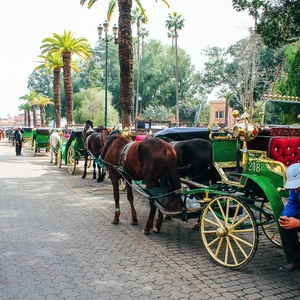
{"x": 19, "y": 141}
{"x": 289, "y": 219}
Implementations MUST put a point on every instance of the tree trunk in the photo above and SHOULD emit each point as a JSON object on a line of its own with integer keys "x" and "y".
{"x": 177, "y": 100}
{"x": 42, "y": 115}
{"x": 34, "y": 116}
{"x": 68, "y": 86}
{"x": 56, "y": 98}
{"x": 28, "y": 117}
{"x": 126, "y": 61}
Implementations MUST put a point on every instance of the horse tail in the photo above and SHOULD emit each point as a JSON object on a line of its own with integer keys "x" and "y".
{"x": 173, "y": 181}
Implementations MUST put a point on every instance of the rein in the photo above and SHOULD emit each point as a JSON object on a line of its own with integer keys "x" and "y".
{"x": 121, "y": 168}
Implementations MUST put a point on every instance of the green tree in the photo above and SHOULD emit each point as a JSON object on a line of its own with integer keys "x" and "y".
{"x": 175, "y": 23}
{"x": 289, "y": 82}
{"x": 277, "y": 21}
{"x": 26, "y": 107}
{"x": 41, "y": 101}
{"x": 66, "y": 45}
{"x": 125, "y": 54}
{"x": 156, "y": 112}
{"x": 31, "y": 98}
{"x": 90, "y": 105}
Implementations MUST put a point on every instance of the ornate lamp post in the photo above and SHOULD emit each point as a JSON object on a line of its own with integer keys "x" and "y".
{"x": 107, "y": 39}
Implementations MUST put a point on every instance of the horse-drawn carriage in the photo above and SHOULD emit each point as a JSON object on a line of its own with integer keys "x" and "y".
{"x": 250, "y": 163}
{"x": 40, "y": 140}
{"x": 27, "y": 134}
{"x": 72, "y": 148}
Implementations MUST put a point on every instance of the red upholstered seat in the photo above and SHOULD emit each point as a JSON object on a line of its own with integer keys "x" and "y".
{"x": 285, "y": 149}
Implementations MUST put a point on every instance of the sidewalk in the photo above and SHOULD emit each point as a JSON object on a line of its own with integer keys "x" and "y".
{"x": 57, "y": 242}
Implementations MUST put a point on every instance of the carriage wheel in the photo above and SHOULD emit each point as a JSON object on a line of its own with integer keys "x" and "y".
{"x": 229, "y": 231}
{"x": 71, "y": 160}
{"x": 122, "y": 184}
{"x": 58, "y": 157}
{"x": 34, "y": 148}
{"x": 269, "y": 228}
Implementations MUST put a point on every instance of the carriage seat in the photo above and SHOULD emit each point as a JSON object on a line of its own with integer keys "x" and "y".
{"x": 285, "y": 149}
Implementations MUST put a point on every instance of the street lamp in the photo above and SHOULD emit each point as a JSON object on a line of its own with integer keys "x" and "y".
{"x": 107, "y": 39}
{"x": 138, "y": 99}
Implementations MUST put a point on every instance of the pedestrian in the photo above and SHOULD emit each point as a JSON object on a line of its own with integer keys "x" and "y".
{"x": 290, "y": 219}
{"x": 19, "y": 140}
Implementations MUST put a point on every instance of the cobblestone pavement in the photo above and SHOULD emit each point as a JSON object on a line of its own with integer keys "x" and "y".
{"x": 57, "y": 242}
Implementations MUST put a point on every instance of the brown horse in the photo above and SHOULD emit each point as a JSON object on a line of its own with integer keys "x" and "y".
{"x": 92, "y": 148}
{"x": 152, "y": 160}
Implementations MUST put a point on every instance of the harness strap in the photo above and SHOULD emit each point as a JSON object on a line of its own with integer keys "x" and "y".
{"x": 124, "y": 153}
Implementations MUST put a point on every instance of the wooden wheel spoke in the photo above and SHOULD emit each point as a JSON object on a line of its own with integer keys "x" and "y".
{"x": 211, "y": 222}
{"x": 237, "y": 240}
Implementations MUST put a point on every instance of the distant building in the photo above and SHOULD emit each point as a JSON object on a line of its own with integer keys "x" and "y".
{"x": 19, "y": 120}
{"x": 217, "y": 114}
{"x": 7, "y": 122}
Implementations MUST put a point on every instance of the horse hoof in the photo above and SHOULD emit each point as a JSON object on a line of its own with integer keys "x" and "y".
{"x": 156, "y": 230}
{"x": 146, "y": 232}
{"x": 115, "y": 222}
{"x": 134, "y": 223}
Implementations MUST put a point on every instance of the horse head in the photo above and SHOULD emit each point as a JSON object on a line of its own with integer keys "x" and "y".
{"x": 88, "y": 128}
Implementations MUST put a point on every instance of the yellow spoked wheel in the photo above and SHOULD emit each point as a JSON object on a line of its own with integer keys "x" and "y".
{"x": 229, "y": 231}
{"x": 58, "y": 157}
{"x": 122, "y": 184}
{"x": 71, "y": 160}
{"x": 269, "y": 225}
{"x": 34, "y": 148}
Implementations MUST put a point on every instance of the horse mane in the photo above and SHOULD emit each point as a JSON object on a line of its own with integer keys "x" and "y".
{"x": 110, "y": 139}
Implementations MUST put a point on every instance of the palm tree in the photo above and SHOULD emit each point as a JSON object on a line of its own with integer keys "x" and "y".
{"x": 125, "y": 53}
{"x": 138, "y": 18}
{"x": 66, "y": 45}
{"x": 54, "y": 63}
{"x": 175, "y": 23}
{"x": 41, "y": 101}
{"x": 26, "y": 107}
{"x": 30, "y": 97}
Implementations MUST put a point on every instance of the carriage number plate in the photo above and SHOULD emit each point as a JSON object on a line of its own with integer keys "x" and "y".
{"x": 254, "y": 167}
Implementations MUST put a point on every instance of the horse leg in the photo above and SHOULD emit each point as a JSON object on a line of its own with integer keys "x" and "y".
{"x": 85, "y": 163}
{"x": 114, "y": 181}
{"x": 51, "y": 155}
{"x": 134, "y": 220}
{"x": 149, "y": 223}
{"x": 94, "y": 170}
{"x": 159, "y": 221}
{"x": 100, "y": 175}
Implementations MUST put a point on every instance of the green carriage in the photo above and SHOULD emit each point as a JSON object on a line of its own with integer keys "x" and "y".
{"x": 251, "y": 161}
{"x": 40, "y": 140}
{"x": 27, "y": 134}
{"x": 72, "y": 148}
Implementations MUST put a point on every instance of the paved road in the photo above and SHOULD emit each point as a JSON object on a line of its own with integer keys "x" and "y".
{"x": 57, "y": 242}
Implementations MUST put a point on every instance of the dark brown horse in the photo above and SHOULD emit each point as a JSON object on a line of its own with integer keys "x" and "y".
{"x": 152, "y": 160}
{"x": 194, "y": 160}
{"x": 92, "y": 148}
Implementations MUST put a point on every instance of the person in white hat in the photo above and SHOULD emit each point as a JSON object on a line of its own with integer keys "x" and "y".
{"x": 290, "y": 218}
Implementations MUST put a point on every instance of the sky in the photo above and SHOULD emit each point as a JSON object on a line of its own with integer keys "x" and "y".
{"x": 24, "y": 24}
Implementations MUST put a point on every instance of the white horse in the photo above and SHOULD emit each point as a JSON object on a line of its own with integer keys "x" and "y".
{"x": 54, "y": 140}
